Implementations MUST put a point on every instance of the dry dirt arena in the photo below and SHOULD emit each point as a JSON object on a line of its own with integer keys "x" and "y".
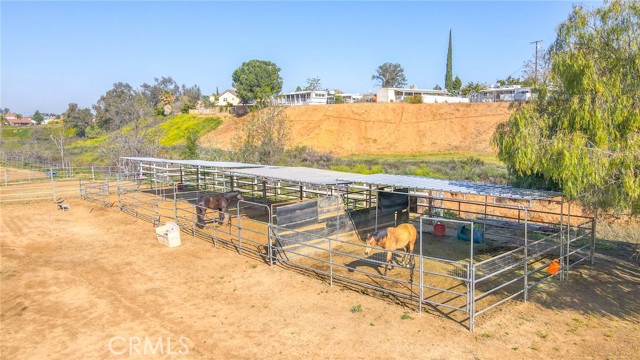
{"x": 91, "y": 282}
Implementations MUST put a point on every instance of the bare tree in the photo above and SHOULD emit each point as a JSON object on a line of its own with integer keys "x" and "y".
{"x": 264, "y": 136}
{"x": 138, "y": 142}
{"x": 536, "y": 70}
{"x": 60, "y": 136}
{"x": 313, "y": 84}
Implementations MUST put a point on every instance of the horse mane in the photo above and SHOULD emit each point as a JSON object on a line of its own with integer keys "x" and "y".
{"x": 380, "y": 234}
{"x": 202, "y": 196}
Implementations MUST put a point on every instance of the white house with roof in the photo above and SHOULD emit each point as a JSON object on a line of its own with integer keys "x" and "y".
{"x": 387, "y": 95}
{"x": 20, "y": 122}
{"x": 227, "y": 97}
{"x": 309, "y": 97}
{"x": 504, "y": 93}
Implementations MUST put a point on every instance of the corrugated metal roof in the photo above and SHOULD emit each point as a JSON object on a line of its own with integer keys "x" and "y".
{"x": 213, "y": 164}
{"x": 451, "y": 186}
{"x": 302, "y": 175}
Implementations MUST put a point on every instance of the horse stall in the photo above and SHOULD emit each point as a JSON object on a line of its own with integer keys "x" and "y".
{"x": 477, "y": 246}
{"x": 481, "y": 245}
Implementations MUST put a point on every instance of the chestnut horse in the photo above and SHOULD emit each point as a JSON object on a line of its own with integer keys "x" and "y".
{"x": 218, "y": 202}
{"x": 401, "y": 237}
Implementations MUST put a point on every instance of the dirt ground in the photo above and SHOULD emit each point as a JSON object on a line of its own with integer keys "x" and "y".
{"x": 390, "y": 128}
{"x": 92, "y": 282}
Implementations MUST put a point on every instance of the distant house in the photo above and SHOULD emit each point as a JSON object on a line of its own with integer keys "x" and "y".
{"x": 504, "y": 93}
{"x": 385, "y": 95}
{"x": 308, "y": 97}
{"x": 9, "y": 116}
{"x": 227, "y": 97}
{"x": 346, "y": 98}
{"x": 48, "y": 119}
{"x": 20, "y": 122}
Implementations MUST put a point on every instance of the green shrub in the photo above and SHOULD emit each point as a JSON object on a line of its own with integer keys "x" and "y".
{"x": 413, "y": 99}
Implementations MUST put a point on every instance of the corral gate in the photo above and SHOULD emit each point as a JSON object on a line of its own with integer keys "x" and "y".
{"x": 458, "y": 293}
{"x": 95, "y": 191}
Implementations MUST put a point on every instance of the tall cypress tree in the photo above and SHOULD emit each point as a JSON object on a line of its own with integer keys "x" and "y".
{"x": 448, "y": 77}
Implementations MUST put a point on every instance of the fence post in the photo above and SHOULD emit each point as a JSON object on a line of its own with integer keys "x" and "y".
{"x": 119, "y": 186}
{"x": 562, "y": 258}
{"x": 421, "y": 276}
{"x": 526, "y": 254}
{"x": 93, "y": 175}
{"x": 175, "y": 203}
{"x": 593, "y": 239}
{"x": 472, "y": 297}
{"x": 108, "y": 193}
{"x": 472, "y": 271}
{"x": 53, "y": 188}
{"x": 566, "y": 276}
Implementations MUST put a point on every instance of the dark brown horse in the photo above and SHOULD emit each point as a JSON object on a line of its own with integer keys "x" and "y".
{"x": 219, "y": 202}
{"x": 393, "y": 238}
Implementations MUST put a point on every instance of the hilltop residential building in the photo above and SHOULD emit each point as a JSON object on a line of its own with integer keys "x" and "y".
{"x": 504, "y": 93}
{"x": 227, "y": 97}
{"x": 20, "y": 122}
{"x": 310, "y": 97}
{"x": 385, "y": 95}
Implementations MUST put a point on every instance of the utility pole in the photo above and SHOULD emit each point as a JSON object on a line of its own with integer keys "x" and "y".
{"x": 535, "y": 71}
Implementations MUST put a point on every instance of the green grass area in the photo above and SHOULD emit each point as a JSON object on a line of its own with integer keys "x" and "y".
{"x": 175, "y": 129}
{"x": 170, "y": 133}
{"x": 427, "y": 156}
{"x": 469, "y": 168}
{"x": 85, "y": 151}
{"x": 14, "y": 132}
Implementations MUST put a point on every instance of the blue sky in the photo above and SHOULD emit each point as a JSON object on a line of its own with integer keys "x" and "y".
{"x": 55, "y": 53}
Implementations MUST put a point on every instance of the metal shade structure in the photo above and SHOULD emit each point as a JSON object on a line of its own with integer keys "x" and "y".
{"x": 202, "y": 163}
{"x": 451, "y": 186}
{"x": 299, "y": 175}
{"x": 306, "y": 175}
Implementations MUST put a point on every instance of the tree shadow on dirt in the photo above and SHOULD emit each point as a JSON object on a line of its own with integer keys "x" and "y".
{"x": 610, "y": 287}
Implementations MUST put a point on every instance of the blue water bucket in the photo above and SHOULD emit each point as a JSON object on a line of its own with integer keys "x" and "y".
{"x": 464, "y": 233}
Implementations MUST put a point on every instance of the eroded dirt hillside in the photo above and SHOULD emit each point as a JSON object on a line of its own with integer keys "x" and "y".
{"x": 394, "y": 128}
